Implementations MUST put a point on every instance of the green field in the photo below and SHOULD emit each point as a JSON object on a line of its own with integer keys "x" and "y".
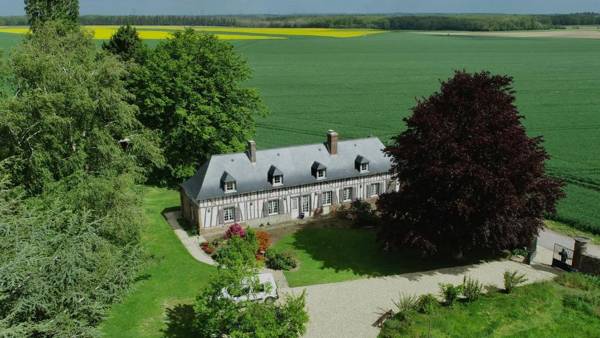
{"x": 365, "y": 86}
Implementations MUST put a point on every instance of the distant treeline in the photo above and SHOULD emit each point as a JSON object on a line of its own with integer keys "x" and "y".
{"x": 466, "y": 22}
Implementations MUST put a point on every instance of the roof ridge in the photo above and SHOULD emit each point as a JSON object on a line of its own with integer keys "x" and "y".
{"x": 298, "y": 146}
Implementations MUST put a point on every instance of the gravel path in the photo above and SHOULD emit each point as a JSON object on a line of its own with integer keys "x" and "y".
{"x": 191, "y": 243}
{"x": 349, "y": 309}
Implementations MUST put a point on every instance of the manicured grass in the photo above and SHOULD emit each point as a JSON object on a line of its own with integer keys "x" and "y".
{"x": 334, "y": 254}
{"x": 536, "y": 310}
{"x": 171, "y": 277}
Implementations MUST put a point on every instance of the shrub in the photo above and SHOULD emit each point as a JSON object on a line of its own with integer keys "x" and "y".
{"x": 471, "y": 288}
{"x": 512, "y": 279}
{"x": 280, "y": 260}
{"x": 207, "y": 247}
{"x": 362, "y": 214}
{"x": 450, "y": 293}
{"x": 264, "y": 241}
{"x": 406, "y": 303}
{"x": 238, "y": 251}
{"x": 235, "y": 230}
{"x": 427, "y": 303}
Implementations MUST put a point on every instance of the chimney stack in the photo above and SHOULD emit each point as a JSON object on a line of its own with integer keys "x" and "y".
{"x": 332, "y": 142}
{"x": 252, "y": 151}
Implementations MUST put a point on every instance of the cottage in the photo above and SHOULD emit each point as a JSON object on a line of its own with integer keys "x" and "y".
{"x": 275, "y": 185}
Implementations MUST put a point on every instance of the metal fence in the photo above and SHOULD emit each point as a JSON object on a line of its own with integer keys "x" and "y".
{"x": 562, "y": 257}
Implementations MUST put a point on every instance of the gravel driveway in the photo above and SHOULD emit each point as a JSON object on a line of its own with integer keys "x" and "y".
{"x": 349, "y": 309}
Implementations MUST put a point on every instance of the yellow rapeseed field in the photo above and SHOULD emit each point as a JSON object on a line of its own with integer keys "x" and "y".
{"x": 243, "y": 33}
{"x": 325, "y": 32}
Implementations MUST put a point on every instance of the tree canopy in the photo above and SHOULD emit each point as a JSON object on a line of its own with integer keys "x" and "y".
{"x": 470, "y": 177}
{"x": 71, "y": 152}
{"x": 70, "y": 111}
{"x": 41, "y": 11}
{"x": 216, "y": 315}
{"x": 190, "y": 92}
{"x": 126, "y": 44}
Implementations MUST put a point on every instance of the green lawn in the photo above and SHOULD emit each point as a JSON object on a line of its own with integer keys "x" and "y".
{"x": 537, "y": 310}
{"x": 334, "y": 254}
{"x": 172, "y": 276}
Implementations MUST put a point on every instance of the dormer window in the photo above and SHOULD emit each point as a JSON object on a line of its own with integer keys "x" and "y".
{"x": 228, "y": 183}
{"x": 275, "y": 176}
{"x": 319, "y": 171}
{"x": 361, "y": 164}
{"x": 229, "y": 186}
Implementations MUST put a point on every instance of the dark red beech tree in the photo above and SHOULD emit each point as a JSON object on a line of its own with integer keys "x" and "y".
{"x": 471, "y": 178}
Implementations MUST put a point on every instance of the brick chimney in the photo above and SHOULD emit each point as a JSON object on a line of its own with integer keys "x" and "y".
{"x": 251, "y": 151}
{"x": 332, "y": 142}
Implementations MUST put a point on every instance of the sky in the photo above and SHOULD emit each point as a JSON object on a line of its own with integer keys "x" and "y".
{"x": 215, "y": 7}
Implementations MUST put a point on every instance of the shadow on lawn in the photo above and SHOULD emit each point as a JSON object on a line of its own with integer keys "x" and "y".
{"x": 180, "y": 322}
{"x": 356, "y": 250}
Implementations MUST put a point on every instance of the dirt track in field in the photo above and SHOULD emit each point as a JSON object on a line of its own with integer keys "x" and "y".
{"x": 587, "y": 33}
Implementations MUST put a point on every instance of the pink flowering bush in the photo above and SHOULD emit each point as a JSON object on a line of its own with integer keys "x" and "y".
{"x": 235, "y": 230}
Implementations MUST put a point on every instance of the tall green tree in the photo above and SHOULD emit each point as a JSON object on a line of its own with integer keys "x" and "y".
{"x": 70, "y": 112}
{"x": 191, "y": 93}
{"x": 41, "y": 11}
{"x": 126, "y": 44}
{"x": 470, "y": 177}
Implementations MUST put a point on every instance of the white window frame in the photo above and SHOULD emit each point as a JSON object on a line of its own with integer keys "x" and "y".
{"x": 229, "y": 214}
{"x": 321, "y": 174}
{"x": 364, "y": 167}
{"x": 327, "y": 198}
{"x": 374, "y": 189}
{"x": 348, "y": 192}
{"x": 277, "y": 180}
{"x": 230, "y": 186}
{"x": 273, "y": 207}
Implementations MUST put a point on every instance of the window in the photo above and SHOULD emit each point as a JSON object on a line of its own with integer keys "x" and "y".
{"x": 306, "y": 203}
{"x": 277, "y": 180}
{"x": 229, "y": 214}
{"x": 374, "y": 189}
{"x": 273, "y": 207}
{"x": 321, "y": 173}
{"x": 347, "y": 194}
{"x": 364, "y": 167}
{"x": 327, "y": 198}
{"x": 229, "y": 186}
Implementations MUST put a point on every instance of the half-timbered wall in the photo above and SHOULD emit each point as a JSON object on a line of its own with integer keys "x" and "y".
{"x": 251, "y": 209}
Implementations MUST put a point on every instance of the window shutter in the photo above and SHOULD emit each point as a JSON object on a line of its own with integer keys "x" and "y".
{"x": 341, "y": 195}
{"x": 295, "y": 202}
{"x": 281, "y": 206}
{"x": 334, "y": 197}
{"x": 220, "y": 217}
{"x": 319, "y": 199}
{"x": 265, "y": 209}
{"x": 238, "y": 213}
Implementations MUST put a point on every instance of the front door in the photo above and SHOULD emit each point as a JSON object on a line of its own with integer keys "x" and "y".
{"x": 295, "y": 209}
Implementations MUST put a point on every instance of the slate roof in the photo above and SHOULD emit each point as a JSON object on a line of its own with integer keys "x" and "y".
{"x": 294, "y": 162}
